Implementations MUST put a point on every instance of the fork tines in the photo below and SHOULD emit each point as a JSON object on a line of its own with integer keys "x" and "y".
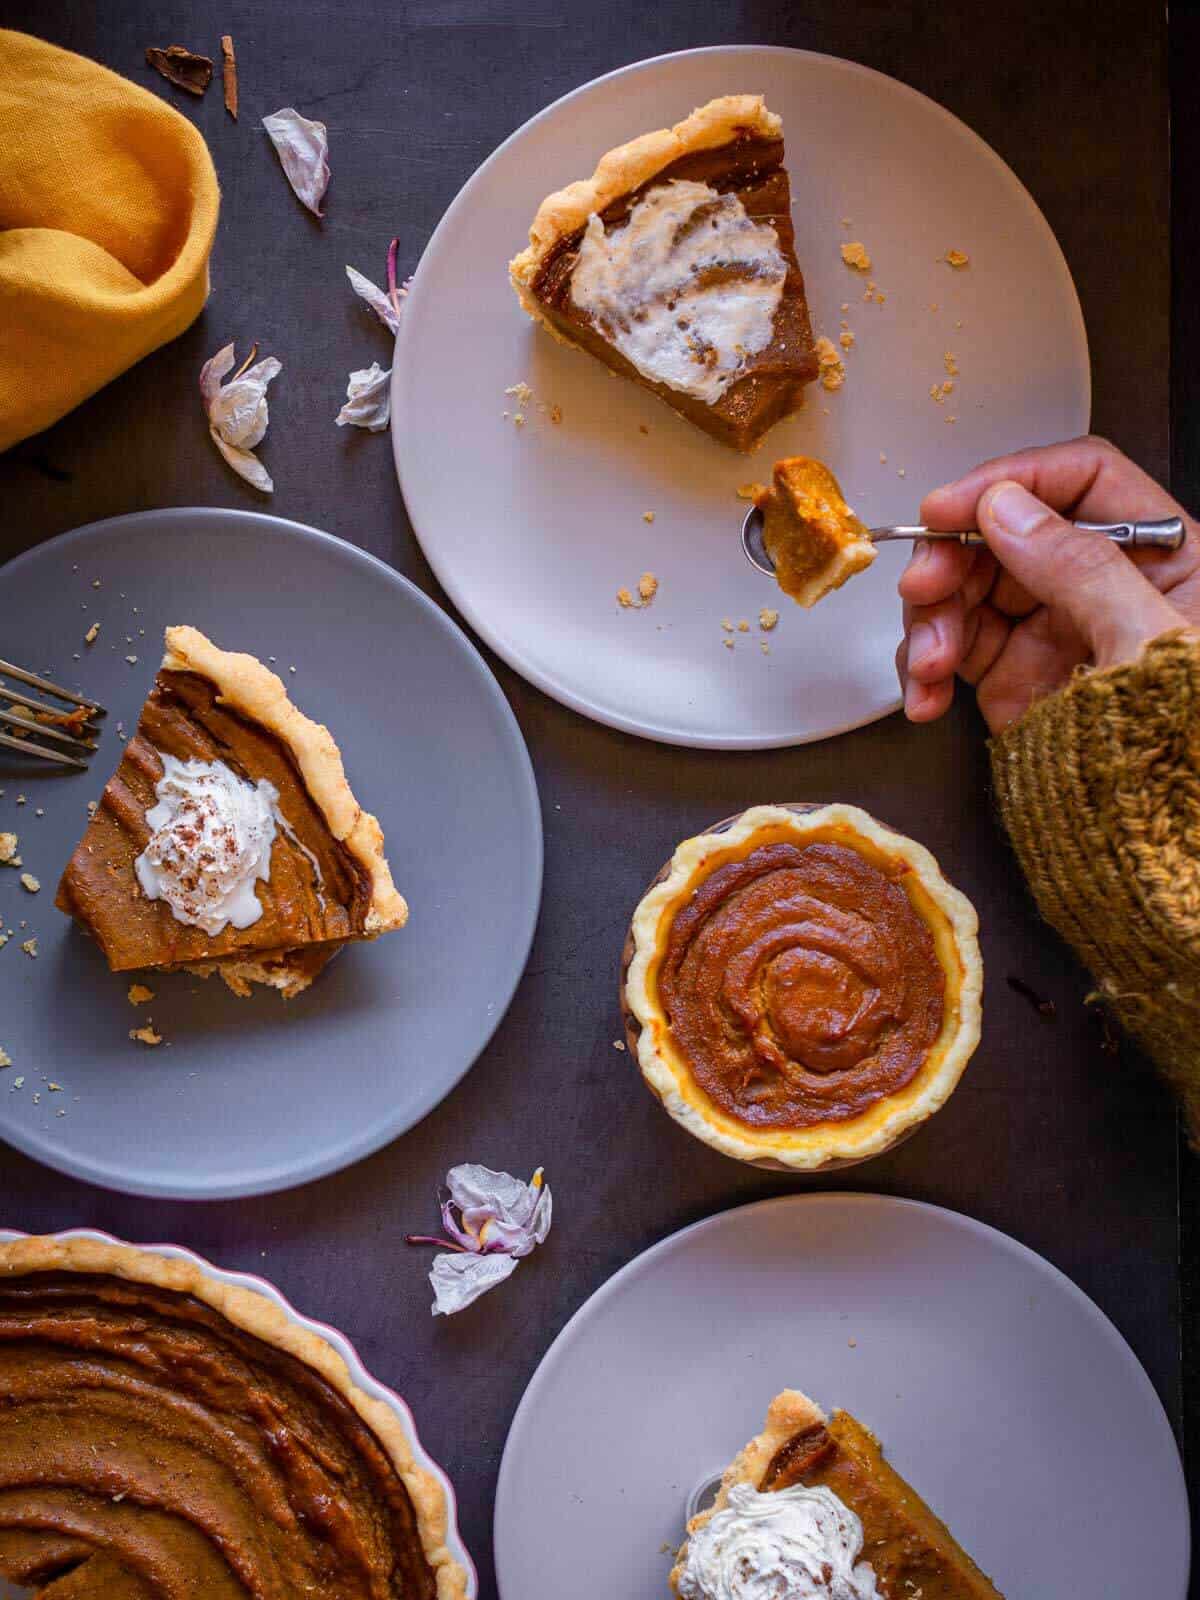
{"x": 70, "y": 732}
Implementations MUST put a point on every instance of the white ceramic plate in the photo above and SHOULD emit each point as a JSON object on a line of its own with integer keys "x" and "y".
{"x": 339, "y": 1341}
{"x": 998, "y": 1388}
{"x": 532, "y": 531}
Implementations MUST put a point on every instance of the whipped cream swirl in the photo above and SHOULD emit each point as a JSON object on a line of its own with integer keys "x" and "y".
{"x": 211, "y": 840}
{"x": 792, "y": 1544}
{"x": 687, "y": 288}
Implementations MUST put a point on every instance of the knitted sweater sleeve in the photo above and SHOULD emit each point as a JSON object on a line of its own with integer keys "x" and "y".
{"x": 1098, "y": 785}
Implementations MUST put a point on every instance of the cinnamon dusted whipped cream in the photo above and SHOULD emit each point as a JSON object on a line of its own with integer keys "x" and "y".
{"x": 687, "y": 289}
{"x": 211, "y": 843}
{"x": 800, "y": 1543}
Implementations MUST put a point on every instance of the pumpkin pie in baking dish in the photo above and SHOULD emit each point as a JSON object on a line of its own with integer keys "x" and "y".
{"x": 810, "y": 1507}
{"x": 169, "y": 1434}
{"x": 802, "y": 987}
{"x": 674, "y": 264}
{"x": 228, "y": 840}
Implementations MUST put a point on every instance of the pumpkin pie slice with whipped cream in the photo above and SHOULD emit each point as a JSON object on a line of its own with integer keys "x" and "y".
{"x": 228, "y": 840}
{"x": 675, "y": 265}
{"x": 810, "y": 1507}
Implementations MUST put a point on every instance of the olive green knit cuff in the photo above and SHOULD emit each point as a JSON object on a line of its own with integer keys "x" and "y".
{"x": 1098, "y": 786}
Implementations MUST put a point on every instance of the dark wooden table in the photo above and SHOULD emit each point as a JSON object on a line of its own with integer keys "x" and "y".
{"x": 1071, "y": 1149}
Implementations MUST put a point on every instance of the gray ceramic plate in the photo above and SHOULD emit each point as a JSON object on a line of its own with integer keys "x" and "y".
{"x": 998, "y": 1388}
{"x": 247, "y": 1096}
{"x": 534, "y": 543}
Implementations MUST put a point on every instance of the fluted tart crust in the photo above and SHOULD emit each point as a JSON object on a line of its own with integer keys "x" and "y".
{"x": 802, "y": 986}
{"x": 167, "y": 1434}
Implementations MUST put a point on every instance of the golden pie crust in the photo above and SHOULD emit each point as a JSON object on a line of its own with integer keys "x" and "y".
{"x": 256, "y": 1315}
{"x": 246, "y": 686}
{"x": 620, "y": 171}
{"x": 952, "y": 926}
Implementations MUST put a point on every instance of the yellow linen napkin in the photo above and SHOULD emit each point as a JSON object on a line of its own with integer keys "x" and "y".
{"x": 108, "y": 206}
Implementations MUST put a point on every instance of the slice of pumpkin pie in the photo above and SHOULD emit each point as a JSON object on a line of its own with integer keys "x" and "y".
{"x": 810, "y": 1507}
{"x": 675, "y": 265}
{"x": 228, "y": 840}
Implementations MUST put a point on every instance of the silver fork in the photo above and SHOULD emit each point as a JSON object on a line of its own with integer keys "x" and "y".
{"x": 28, "y": 716}
{"x": 1168, "y": 534}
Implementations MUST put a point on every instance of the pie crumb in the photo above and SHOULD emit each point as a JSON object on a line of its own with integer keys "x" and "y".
{"x": 846, "y": 339}
{"x": 8, "y": 848}
{"x": 767, "y": 619}
{"x": 555, "y": 414}
{"x": 957, "y": 258}
{"x": 521, "y": 393}
{"x": 854, "y": 254}
{"x": 132, "y": 660}
{"x": 146, "y": 1035}
{"x": 750, "y": 491}
{"x": 519, "y": 420}
{"x": 92, "y": 807}
{"x": 647, "y": 516}
{"x": 951, "y": 363}
{"x": 833, "y": 370}
{"x": 5, "y": 1059}
{"x": 624, "y": 598}
{"x": 139, "y": 994}
{"x": 743, "y": 626}
{"x": 30, "y": 948}
{"x": 92, "y": 634}
{"x": 647, "y": 587}
{"x": 727, "y": 625}
{"x": 618, "y": 1044}
{"x": 728, "y": 643}
{"x": 764, "y": 647}
{"x": 30, "y": 883}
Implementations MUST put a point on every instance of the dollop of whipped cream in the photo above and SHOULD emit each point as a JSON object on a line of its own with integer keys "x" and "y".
{"x": 211, "y": 840}
{"x": 687, "y": 288}
{"x": 792, "y": 1544}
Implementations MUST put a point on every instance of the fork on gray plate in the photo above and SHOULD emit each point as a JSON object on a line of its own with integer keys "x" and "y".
{"x": 33, "y": 727}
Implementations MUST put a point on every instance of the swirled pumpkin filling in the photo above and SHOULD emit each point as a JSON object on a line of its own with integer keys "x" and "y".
{"x": 149, "y": 1449}
{"x": 801, "y": 985}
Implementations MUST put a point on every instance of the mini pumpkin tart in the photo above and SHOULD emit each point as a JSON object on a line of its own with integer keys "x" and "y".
{"x": 810, "y": 533}
{"x": 812, "y": 1502}
{"x": 169, "y": 1434}
{"x": 675, "y": 265}
{"x": 228, "y": 840}
{"x": 801, "y": 986}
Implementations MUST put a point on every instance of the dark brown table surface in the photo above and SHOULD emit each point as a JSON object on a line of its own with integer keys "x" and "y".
{"x": 1069, "y": 1148}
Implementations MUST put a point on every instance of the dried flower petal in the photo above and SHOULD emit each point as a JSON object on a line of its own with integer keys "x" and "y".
{"x": 237, "y": 411}
{"x": 303, "y": 149}
{"x": 459, "y": 1280}
{"x": 229, "y": 81}
{"x": 375, "y": 298}
{"x": 368, "y": 399}
{"x": 500, "y": 1219}
{"x": 182, "y": 67}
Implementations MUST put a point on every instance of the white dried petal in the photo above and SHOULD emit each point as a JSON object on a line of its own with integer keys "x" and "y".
{"x": 459, "y": 1280}
{"x": 368, "y": 399}
{"x": 212, "y": 372}
{"x": 303, "y": 150}
{"x": 239, "y": 411}
{"x": 375, "y": 298}
{"x": 244, "y": 463}
{"x": 499, "y": 1212}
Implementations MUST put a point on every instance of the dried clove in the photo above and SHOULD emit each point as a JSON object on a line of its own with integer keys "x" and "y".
{"x": 229, "y": 81}
{"x": 182, "y": 67}
{"x": 1044, "y": 1008}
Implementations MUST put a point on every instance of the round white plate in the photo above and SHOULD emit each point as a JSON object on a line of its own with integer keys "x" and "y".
{"x": 344, "y": 1348}
{"x": 1006, "y": 1397}
{"x": 532, "y": 530}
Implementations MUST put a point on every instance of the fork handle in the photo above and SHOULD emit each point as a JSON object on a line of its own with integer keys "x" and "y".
{"x": 1167, "y": 534}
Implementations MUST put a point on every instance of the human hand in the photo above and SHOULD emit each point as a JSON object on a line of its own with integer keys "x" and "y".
{"x": 1017, "y": 616}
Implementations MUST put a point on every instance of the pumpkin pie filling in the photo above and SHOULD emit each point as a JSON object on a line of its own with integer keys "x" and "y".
{"x": 801, "y": 985}
{"x": 322, "y": 880}
{"x": 739, "y": 183}
{"x": 151, "y": 1448}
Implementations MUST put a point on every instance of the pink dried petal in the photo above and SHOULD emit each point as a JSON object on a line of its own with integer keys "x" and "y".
{"x": 375, "y": 298}
{"x": 303, "y": 150}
